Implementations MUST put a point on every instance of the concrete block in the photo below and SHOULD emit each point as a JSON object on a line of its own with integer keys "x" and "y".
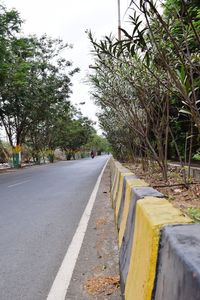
{"x": 115, "y": 188}
{"x": 151, "y": 214}
{"x": 196, "y": 173}
{"x": 118, "y": 198}
{"x": 126, "y": 232}
{"x": 178, "y": 275}
{"x": 127, "y": 181}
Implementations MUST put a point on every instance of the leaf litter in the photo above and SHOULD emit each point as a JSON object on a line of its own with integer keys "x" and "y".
{"x": 106, "y": 285}
{"x": 186, "y": 199}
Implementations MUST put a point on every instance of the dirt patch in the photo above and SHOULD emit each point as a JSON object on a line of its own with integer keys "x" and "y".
{"x": 100, "y": 222}
{"x": 104, "y": 285}
{"x": 186, "y": 199}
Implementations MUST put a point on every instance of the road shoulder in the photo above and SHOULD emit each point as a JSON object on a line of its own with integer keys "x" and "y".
{"x": 96, "y": 275}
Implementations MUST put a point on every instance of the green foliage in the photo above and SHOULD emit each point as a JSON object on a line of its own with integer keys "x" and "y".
{"x": 75, "y": 133}
{"x": 194, "y": 213}
{"x": 196, "y": 156}
{"x": 99, "y": 144}
{"x": 35, "y": 83}
{"x": 147, "y": 84}
{"x": 35, "y": 86}
{"x": 5, "y": 152}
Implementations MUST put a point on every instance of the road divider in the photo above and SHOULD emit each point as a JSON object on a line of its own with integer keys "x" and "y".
{"x": 178, "y": 276}
{"x": 156, "y": 241}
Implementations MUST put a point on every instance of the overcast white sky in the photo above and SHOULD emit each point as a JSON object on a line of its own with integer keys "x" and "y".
{"x": 69, "y": 19}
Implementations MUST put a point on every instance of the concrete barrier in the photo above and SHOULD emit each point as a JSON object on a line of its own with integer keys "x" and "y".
{"x": 146, "y": 222}
{"x": 194, "y": 171}
{"x": 178, "y": 274}
{"x": 151, "y": 214}
{"x": 134, "y": 181}
{"x": 117, "y": 199}
{"x": 127, "y": 229}
{"x": 116, "y": 186}
{"x": 129, "y": 182}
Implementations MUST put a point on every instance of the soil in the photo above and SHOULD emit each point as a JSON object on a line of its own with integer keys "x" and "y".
{"x": 187, "y": 199}
{"x": 106, "y": 285}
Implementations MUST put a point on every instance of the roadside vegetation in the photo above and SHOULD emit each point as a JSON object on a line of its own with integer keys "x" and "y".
{"x": 147, "y": 85}
{"x": 35, "y": 87}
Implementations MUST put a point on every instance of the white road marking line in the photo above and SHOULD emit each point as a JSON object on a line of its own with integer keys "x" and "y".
{"x": 22, "y": 182}
{"x": 61, "y": 283}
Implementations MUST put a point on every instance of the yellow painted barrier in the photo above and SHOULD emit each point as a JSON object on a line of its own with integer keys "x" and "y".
{"x": 115, "y": 189}
{"x": 134, "y": 182}
{"x": 114, "y": 166}
{"x": 125, "y": 211}
{"x": 130, "y": 184}
{"x": 151, "y": 214}
{"x": 119, "y": 194}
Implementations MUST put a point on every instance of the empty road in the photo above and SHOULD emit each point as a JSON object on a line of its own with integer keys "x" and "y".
{"x": 40, "y": 208}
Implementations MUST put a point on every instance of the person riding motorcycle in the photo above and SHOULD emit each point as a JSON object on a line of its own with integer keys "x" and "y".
{"x": 92, "y": 154}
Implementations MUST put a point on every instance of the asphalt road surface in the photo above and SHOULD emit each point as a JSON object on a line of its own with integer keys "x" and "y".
{"x": 40, "y": 208}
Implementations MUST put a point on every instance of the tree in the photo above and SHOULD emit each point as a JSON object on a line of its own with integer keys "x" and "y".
{"x": 137, "y": 79}
{"x": 4, "y": 152}
{"x": 34, "y": 81}
{"x": 99, "y": 144}
{"x": 10, "y": 24}
{"x": 33, "y": 85}
{"x": 75, "y": 134}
